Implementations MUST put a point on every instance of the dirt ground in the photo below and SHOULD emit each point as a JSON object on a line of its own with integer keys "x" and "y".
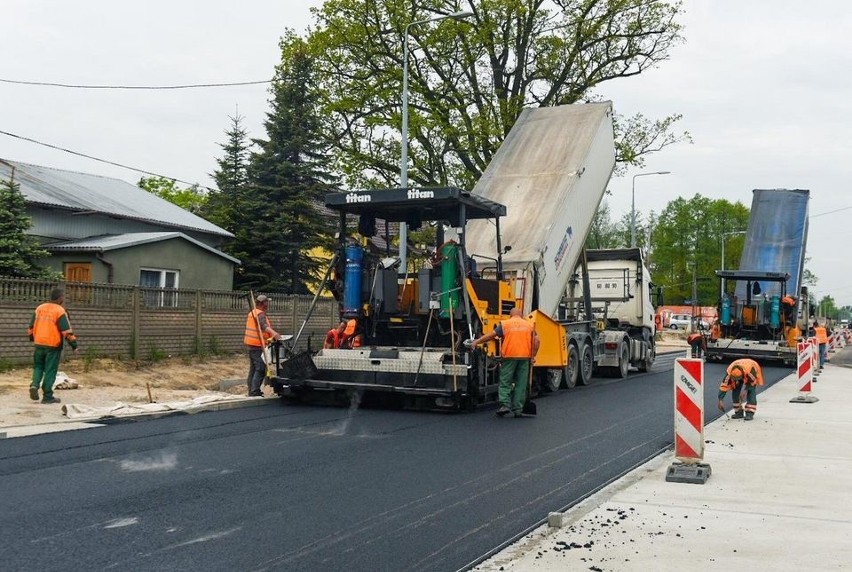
{"x": 105, "y": 382}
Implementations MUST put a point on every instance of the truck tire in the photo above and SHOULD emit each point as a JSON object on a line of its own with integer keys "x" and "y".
{"x": 650, "y": 355}
{"x": 573, "y": 370}
{"x": 587, "y": 365}
{"x": 553, "y": 380}
{"x": 623, "y": 361}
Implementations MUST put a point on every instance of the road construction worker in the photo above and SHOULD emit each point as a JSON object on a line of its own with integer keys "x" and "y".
{"x": 698, "y": 344}
{"x": 258, "y": 334}
{"x": 822, "y": 338}
{"x": 352, "y": 337}
{"x": 518, "y": 349}
{"x": 742, "y": 378}
{"x": 334, "y": 337}
{"x": 49, "y": 330}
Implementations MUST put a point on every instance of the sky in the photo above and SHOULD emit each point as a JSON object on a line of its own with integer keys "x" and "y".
{"x": 763, "y": 87}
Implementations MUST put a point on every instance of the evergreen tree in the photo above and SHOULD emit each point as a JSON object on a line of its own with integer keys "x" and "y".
{"x": 19, "y": 252}
{"x": 231, "y": 177}
{"x": 278, "y": 228}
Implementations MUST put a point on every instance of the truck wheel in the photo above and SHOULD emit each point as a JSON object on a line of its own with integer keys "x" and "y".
{"x": 573, "y": 371}
{"x": 651, "y": 354}
{"x": 623, "y": 362}
{"x": 553, "y": 380}
{"x": 587, "y": 364}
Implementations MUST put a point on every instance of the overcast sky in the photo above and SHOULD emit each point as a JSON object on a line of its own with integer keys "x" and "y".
{"x": 763, "y": 85}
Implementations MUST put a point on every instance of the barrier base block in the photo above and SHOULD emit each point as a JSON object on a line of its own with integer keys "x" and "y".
{"x": 692, "y": 473}
{"x": 805, "y": 399}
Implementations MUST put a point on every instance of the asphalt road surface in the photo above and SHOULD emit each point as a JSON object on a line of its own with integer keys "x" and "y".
{"x": 294, "y": 487}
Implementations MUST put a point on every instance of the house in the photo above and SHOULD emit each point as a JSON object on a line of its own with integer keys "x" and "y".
{"x": 105, "y": 230}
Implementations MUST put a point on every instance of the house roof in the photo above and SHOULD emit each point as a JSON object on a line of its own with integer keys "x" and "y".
{"x": 83, "y": 192}
{"x": 117, "y": 241}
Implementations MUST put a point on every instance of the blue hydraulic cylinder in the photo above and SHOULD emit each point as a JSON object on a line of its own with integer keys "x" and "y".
{"x": 775, "y": 312}
{"x": 726, "y": 310}
{"x": 352, "y": 281}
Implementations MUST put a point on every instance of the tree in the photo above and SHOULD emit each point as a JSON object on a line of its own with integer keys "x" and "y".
{"x": 689, "y": 232}
{"x": 470, "y": 79}
{"x": 278, "y": 228}
{"x": 603, "y": 232}
{"x": 190, "y": 198}
{"x": 20, "y": 252}
{"x": 231, "y": 177}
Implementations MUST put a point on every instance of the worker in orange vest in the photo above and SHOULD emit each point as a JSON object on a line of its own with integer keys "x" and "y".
{"x": 334, "y": 336}
{"x": 741, "y": 378}
{"x": 49, "y": 330}
{"x": 352, "y": 337}
{"x": 822, "y": 338}
{"x": 519, "y": 346}
{"x": 258, "y": 334}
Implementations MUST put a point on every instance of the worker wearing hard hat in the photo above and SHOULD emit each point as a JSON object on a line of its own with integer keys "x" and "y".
{"x": 742, "y": 378}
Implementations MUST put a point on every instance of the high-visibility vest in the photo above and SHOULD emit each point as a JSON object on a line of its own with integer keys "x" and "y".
{"x": 251, "y": 337}
{"x": 45, "y": 330}
{"x": 333, "y": 339}
{"x": 752, "y": 373}
{"x": 821, "y": 334}
{"x": 517, "y": 338}
{"x": 350, "y": 339}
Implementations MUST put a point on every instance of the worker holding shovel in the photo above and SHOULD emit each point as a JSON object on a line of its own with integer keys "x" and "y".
{"x": 741, "y": 379}
{"x": 520, "y": 344}
{"x": 258, "y": 333}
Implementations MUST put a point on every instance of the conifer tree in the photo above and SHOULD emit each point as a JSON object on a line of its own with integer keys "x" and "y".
{"x": 19, "y": 252}
{"x": 278, "y": 228}
{"x": 231, "y": 177}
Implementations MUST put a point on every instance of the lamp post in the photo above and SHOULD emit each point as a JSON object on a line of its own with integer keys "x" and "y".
{"x": 633, "y": 205}
{"x": 725, "y": 235}
{"x": 403, "y": 160}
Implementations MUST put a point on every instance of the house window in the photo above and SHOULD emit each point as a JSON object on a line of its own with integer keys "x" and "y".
{"x": 164, "y": 281}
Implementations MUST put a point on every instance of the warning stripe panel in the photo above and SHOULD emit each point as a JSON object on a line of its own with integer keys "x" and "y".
{"x": 687, "y": 408}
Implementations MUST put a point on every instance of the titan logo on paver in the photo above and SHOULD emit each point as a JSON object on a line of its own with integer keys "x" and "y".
{"x": 688, "y": 383}
{"x": 418, "y": 194}
{"x": 357, "y": 198}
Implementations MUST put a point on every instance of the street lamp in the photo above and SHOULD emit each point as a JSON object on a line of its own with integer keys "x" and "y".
{"x": 403, "y": 160}
{"x": 633, "y": 204}
{"x": 725, "y": 235}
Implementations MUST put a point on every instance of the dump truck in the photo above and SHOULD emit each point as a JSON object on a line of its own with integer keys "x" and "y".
{"x": 541, "y": 189}
{"x": 763, "y": 308}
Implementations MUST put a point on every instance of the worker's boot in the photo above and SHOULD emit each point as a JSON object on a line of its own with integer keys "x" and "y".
{"x": 749, "y": 416}
{"x": 738, "y": 414}
{"x": 503, "y": 411}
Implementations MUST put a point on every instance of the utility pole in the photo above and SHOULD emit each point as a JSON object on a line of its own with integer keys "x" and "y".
{"x": 694, "y": 296}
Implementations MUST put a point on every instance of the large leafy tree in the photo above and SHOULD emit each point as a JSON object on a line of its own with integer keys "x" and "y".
{"x": 231, "y": 177}
{"x": 192, "y": 198}
{"x": 20, "y": 252}
{"x": 603, "y": 233}
{"x": 687, "y": 233}
{"x": 278, "y": 228}
{"x": 469, "y": 79}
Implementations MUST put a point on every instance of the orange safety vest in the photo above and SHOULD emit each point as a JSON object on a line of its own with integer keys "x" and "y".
{"x": 333, "y": 339}
{"x": 349, "y": 339}
{"x": 517, "y": 338}
{"x": 251, "y": 337}
{"x": 751, "y": 371}
{"x": 821, "y": 334}
{"x": 45, "y": 330}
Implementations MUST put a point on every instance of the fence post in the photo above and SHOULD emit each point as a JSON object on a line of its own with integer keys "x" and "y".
{"x": 199, "y": 345}
{"x": 135, "y": 323}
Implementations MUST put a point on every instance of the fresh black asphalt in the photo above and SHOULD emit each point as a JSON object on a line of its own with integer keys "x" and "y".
{"x": 297, "y": 487}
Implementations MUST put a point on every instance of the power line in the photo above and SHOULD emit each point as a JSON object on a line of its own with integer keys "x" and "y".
{"x": 831, "y": 212}
{"x": 150, "y": 87}
{"x": 102, "y": 160}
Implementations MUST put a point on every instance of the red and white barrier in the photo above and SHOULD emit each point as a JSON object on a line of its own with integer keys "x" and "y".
{"x": 806, "y": 372}
{"x": 689, "y": 409}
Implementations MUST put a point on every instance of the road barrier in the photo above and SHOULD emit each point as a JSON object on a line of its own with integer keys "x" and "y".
{"x": 814, "y": 356}
{"x": 805, "y": 370}
{"x": 689, "y": 423}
